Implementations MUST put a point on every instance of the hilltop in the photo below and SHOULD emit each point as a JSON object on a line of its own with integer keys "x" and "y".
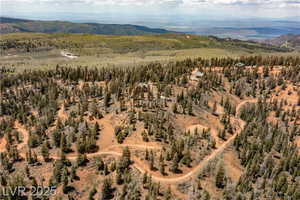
{"x": 11, "y": 25}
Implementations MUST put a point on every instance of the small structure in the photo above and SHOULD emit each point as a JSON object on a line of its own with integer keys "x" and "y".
{"x": 143, "y": 84}
{"x": 69, "y": 55}
{"x": 165, "y": 98}
{"x": 196, "y": 76}
{"x": 199, "y": 74}
{"x": 240, "y": 64}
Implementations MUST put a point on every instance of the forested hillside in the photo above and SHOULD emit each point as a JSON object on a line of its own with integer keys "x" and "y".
{"x": 11, "y": 25}
{"x": 197, "y": 129}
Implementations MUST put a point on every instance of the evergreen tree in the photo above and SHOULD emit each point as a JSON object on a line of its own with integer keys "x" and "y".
{"x": 45, "y": 152}
{"x": 106, "y": 189}
{"x": 220, "y": 177}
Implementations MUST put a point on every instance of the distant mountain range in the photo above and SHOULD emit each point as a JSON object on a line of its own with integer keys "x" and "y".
{"x": 11, "y": 25}
{"x": 243, "y": 29}
{"x": 287, "y": 41}
{"x": 253, "y": 33}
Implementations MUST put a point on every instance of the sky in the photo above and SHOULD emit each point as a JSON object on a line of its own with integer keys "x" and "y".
{"x": 151, "y": 11}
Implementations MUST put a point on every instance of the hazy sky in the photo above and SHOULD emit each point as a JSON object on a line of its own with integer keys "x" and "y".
{"x": 127, "y": 11}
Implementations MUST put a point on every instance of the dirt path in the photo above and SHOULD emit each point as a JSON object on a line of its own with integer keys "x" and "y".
{"x": 196, "y": 169}
{"x": 206, "y": 160}
{"x": 178, "y": 194}
{"x": 21, "y": 129}
{"x": 238, "y": 108}
{"x": 108, "y": 129}
{"x": 134, "y": 146}
{"x": 107, "y": 133}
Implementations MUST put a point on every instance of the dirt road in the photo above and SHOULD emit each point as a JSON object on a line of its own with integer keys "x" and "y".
{"x": 137, "y": 162}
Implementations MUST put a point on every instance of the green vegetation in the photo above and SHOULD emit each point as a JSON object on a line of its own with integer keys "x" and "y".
{"x": 10, "y": 25}
{"x": 86, "y": 44}
{"x": 43, "y": 51}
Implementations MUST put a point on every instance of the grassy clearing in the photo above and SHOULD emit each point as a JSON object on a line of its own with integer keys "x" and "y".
{"x": 87, "y": 44}
{"x": 43, "y": 51}
{"x": 49, "y": 59}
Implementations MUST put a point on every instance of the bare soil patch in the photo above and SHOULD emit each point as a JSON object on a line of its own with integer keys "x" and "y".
{"x": 2, "y": 144}
{"x": 233, "y": 167}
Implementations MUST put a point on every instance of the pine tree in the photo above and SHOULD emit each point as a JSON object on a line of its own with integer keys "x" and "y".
{"x": 145, "y": 178}
{"x": 174, "y": 108}
{"x": 190, "y": 108}
{"x": 162, "y": 167}
{"x": 63, "y": 143}
{"x": 222, "y": 134}
{"x": 126, "y": 158}
{"x": 113, "y": 166}
{"x": 119, "y": 177}
{"x": 214, "y": 109}
{"x": 93, "y": 108}
{"x": 107, "y": 99}
{"x": 81, "y": 159}
{"x": 106, "y": 189}
{"x": 73, "y": 174}
{"x": 45, "y": 152}
{"x": 168, "y": 194}
{"x": 65, "y": 182}
{"x": 187, "y": 160}
{"x": 151, "y": 162}
{"x": 92, "y": 194}
{"x": 147, "y": 155}
{"x": 145, "y": 136}
{"x": 174, "y": 166}
{"x": 105, "y": 171}
{"x": 220, "y": 177}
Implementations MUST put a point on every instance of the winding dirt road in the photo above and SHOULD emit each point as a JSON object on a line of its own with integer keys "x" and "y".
{"x": 137, "y": 162}
{"x": 238, "y": 108}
